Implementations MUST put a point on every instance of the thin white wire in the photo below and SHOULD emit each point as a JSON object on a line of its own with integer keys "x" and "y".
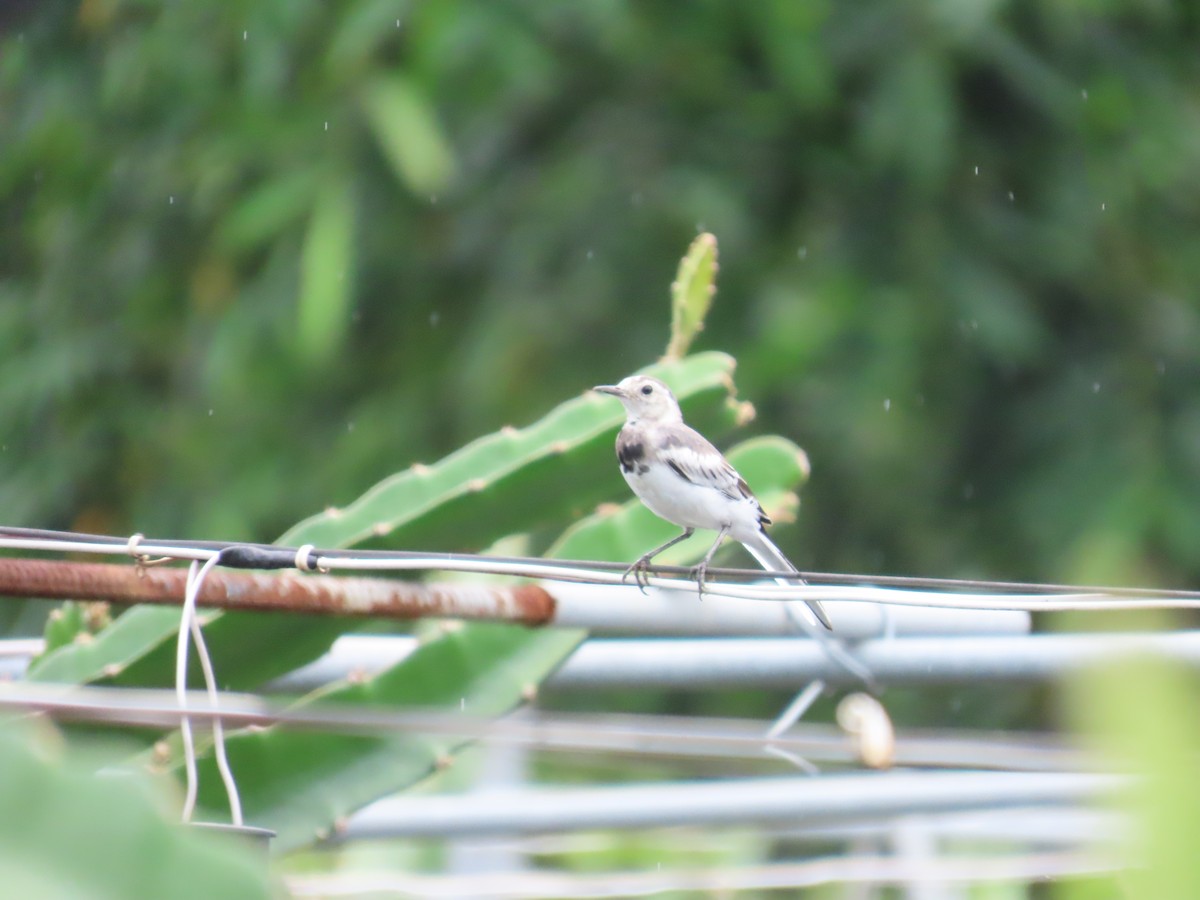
{"x": 853, "y": 593}
{"x": 218, "y": 729}
{"x": 1089, "y": 601}
{"x": 190, "y": 623}
{"x": 185, "y": 724}
{"x": 796, "y": 709}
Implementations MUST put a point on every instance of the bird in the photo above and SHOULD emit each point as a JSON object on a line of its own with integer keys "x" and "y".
{"x": 681, "y": 477}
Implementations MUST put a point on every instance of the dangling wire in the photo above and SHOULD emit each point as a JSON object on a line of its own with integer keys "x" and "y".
{"x": 185, "y": 723}
{"x": 190, "y": 626}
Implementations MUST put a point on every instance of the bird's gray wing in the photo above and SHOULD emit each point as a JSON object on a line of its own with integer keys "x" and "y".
{"x": 694, "y": 459}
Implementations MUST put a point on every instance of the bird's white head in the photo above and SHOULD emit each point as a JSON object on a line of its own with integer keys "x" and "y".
{"x": 645, "y": 399}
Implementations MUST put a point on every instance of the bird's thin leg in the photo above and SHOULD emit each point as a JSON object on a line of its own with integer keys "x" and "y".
{"x": 703, "y": 567}
{"x": 638, "y": 569}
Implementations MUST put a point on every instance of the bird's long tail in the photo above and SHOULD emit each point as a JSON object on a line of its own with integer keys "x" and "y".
{"x": 772, "y": 559}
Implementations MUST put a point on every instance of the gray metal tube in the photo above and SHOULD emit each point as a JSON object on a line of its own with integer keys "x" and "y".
{"x": 796, "y": 801}
{"x": 763, "y": 662}
{"x": 603, "y": 609}
{"x": 785, "y": 663}
{"x": 743, "y": 662}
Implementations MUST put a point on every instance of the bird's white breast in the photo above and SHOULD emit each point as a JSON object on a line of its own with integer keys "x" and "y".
{"x": 691, "y": 505}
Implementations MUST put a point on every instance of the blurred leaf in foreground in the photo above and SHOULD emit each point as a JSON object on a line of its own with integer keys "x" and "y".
{"x": 70, "y": 833}
{"x": 1141, "y": 715}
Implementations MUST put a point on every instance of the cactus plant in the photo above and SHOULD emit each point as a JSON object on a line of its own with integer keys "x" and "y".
{"x": 514, "y": 480}
{"x": 303, "y": 783}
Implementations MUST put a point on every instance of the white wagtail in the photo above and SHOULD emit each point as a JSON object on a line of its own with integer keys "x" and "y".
{"x": 684, "y": 479}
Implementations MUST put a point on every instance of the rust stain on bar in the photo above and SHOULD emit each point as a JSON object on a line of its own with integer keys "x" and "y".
{"x": 383, "y": 598}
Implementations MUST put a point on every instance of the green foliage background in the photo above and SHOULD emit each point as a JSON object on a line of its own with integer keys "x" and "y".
{"x": 255, "y": 257}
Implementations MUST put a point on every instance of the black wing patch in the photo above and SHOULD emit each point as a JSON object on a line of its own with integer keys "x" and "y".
{"x": 678, "y": 470}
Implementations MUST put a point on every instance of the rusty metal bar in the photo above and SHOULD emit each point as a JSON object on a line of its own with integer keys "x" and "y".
{"x": 292, "y": 592}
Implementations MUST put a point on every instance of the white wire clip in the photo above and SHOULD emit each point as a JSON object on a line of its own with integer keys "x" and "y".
{"x": 142, "y": 560}
{"x": 307, "y": 562}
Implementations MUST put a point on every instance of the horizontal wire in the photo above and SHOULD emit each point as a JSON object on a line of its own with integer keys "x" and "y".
{"x": 563, "y": 569}
{"x": 554, "y": 571}
{"x": 650, "y": 735}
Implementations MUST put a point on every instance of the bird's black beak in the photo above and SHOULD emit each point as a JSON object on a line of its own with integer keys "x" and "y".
{"x": 609, "y": 389}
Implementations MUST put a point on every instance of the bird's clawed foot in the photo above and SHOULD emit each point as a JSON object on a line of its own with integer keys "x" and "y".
{"x": 699, "y": 574}
{"x": 640, "y": 572}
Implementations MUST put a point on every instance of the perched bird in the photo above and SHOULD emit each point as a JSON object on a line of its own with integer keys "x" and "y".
{"x": 684, "y": 479}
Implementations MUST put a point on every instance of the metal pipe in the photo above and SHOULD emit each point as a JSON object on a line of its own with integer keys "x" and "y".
{"x": 663, "y": 736}
{"x": 709, "y": 664}
{"x": 610, "y": 609}
{"x": 527, "y": 604}
{"x": 798, "y": 800}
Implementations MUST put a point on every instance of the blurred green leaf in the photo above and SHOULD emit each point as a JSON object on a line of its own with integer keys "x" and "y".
{"x": 1140, "y": 713}
{"x": 121, "y": 842}
{"x": 327, "y": 273}
{"x": 408, "y": 132}
{"x": 910, "y": 122}
{"x": 267, "y": 210}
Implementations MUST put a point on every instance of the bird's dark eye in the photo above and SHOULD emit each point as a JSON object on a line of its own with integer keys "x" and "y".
{"x": 647, "y": 390}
